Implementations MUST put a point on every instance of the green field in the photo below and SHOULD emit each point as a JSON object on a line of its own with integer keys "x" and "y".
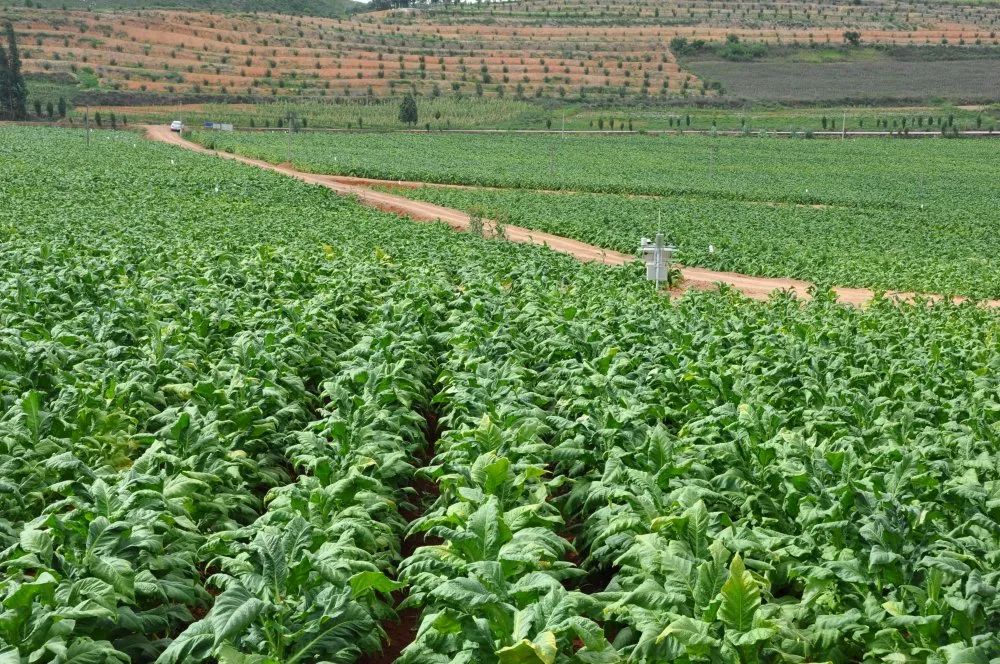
{"x": 246, "y": 421}
{"x": 937, "y": 249}
{"x": 892, "y": 214}
{"x": 876, "y": 173}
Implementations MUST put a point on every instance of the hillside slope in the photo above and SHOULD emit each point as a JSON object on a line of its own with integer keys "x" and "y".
{"x": 630, "y": 55}
{"x": 324, "y": 8}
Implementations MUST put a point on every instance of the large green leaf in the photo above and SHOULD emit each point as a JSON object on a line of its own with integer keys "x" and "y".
{"x": 43, "y": 588}
{"x": 233, "y": 612}
{"x": 86, "y": 651}
{"x": 694, "y": 635}
{"x": 117, "y": 572}
{"x": 696, "y": 529}
{"x": 193, "y": 645}
{"x": 31, "y": 406}
{"x": 711, "y": 576}
{"x": 740, "y": 598}
{"x": 364, "y": 583}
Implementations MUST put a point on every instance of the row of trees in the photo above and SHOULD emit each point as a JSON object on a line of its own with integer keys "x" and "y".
{"x": 51, "y": 109}
{"x": 13, "y": 91}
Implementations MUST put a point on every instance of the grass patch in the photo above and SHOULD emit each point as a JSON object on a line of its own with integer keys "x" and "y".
{"x": 88, "y": 79}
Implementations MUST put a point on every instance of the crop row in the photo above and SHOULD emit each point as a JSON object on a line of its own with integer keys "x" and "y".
{"x": 618, "y": 478}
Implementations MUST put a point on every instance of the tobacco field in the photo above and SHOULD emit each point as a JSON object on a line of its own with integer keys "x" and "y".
{"x": 894, "y": 174}
{"x": 933, "y": 249}
{"x": 244, "y": 421}
{"x": 874, "y": 213}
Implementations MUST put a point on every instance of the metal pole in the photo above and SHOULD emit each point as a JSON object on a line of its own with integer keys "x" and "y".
{"x": 288, "y": 120}
{"x": 658, "y": 258}
{"x": 86, "y": 124}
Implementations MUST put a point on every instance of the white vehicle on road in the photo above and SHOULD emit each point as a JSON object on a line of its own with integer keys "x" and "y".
{"x": 176, "y": 125}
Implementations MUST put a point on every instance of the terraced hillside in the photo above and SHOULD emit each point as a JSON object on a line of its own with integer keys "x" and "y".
{"x": 564, "y": 51}
{"x": 877, "y": 15}
{"x": 329, "y": 8}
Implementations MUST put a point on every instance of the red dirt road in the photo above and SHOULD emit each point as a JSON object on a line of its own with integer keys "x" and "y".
{"x": 693, "y": 278}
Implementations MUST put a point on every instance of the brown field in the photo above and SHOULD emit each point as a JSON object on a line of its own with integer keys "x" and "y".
{"x": 838, "y": 14}
{"x": 836, "y": 81}
{"x": 492, "y": 51}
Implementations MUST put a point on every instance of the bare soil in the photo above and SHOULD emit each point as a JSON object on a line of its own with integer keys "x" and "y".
{"x": 401, "y": 634}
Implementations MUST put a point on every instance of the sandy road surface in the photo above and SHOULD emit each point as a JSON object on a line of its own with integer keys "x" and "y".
{"x": 693, "y": 277}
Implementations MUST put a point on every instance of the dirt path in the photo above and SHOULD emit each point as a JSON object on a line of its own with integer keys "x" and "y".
{"x": 417, "y": 210}
{"x": 693, "y": 278}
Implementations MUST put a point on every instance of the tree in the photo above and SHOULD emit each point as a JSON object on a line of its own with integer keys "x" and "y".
{"x": 13, "y": 91}
{"x": 852, "y": 37}
{"x": 5, "y": 112}
{"x": 50, "y": 110}
{"x": 679, "y": 45}
{"x": 62, "y": 107}
{"x": 38, "y": 108}
{"x": 408, "y": 110}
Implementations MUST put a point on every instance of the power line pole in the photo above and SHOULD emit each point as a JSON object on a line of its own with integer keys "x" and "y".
{"x": 86, "y": 124}
{"x": 290, "y": 119}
